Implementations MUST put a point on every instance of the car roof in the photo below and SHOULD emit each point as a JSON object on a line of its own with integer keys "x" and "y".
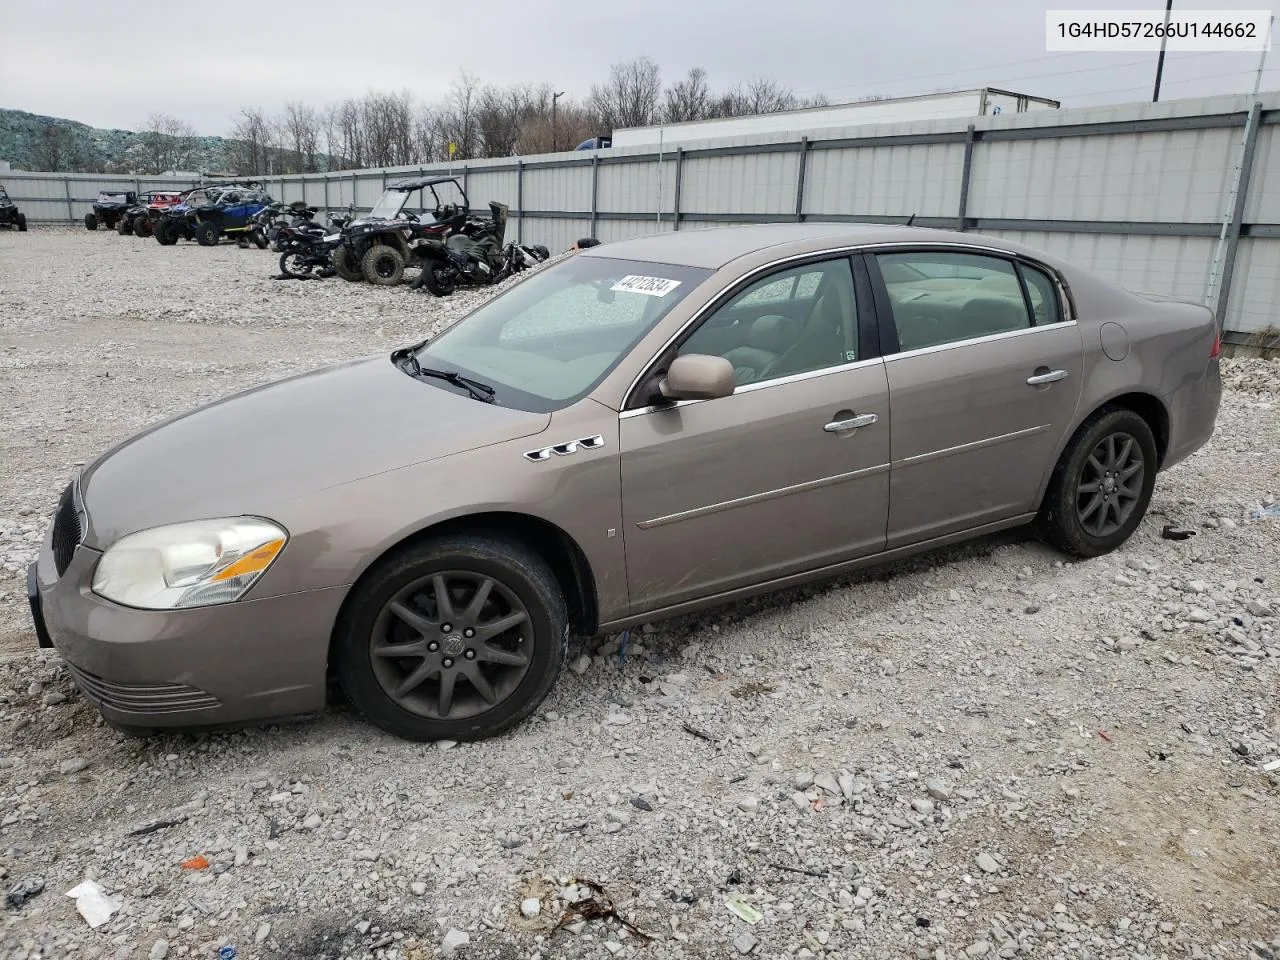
{"x": 712, "y": 248}
{"x": 417, "y": 183}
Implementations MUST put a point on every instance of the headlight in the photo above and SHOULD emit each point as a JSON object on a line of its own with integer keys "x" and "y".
{"x": 188, "y": 564}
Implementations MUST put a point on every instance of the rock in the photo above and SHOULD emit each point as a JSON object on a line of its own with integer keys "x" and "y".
{"x": 1260, "y": 608}
{"x": 749, "y": 804}
{"x": 979, "y": 949}
{"x": 803, "y": 780}
{"x": 938, "y": 788}
{"x": 363, "y": 927}
{"x": 453, "y": 941}
{"x": 613, "y": 946}
{"x": 581, "y": 664}
{"x": 617, "y": 720}
{"x": 849, "y": 785}
{"x": 365, "y": 855}
{"x": 312, "y": 822}
{"x": 619, "y": 816}
{"x": 443, "y": 745}
{"x": 530, "y": 907}
{"x": 74, "y": 765}
{"x": 1031, "y": 608}
{"x": 987, "y": 863}
{"x": 800, "y": 800}
{"x": 186, "y": 923}
{"x": 744, "y": 942}
{"x": 53, "y": 698}
{"x": 159, "y": 950}
{"x": 261, "y": 934}
{"x": 418, "y": 888}
{"x": 1198, "y": 615}
{"x": 921, "y": 805}
{"x": 1197, "y": 586}
{"x": 953, "y": 596}
{"x": 828, "y": 784}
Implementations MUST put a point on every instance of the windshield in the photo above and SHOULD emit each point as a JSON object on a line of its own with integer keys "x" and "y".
{"x": 552, "y": 337}
{"x": 105, "y": 197}
{"x": 388, "y": 205}
{"x": 3, "y": 194}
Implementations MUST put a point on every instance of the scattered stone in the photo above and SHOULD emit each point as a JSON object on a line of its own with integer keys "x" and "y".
{"x": 938, "y": 788}
{"x": 921, "y": 805}
{"x": 159, "y": 950}
{"x": 987, "y": 863}
{"x": 418, "y": 888}
{"x": 580, "y": 664}
{"x": 53, "y": 698}
{"x": 1198, "y": 615}
{"x": 1260, "y": 608}
{"x": 453, "y": 941}
{"x": 530, "y": 907}
{"x": 800, "y": 800}
{"x": 744, "y": 942}
{"x": 312, "y": 822}
{"x": 74, "y": 765}
{"x": 749, "y": 804}
{"x": 803, "y": 780}
{"x": 827, "y": 783}
{"x": 263, "y": 931}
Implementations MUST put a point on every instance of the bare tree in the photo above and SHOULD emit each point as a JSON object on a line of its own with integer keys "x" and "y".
{"x": 167, "y": 143}
{"x": 630, "y": 96}
{"x": 757, "y": 95}
{"x": 574, "y": 123}
{"x": 55, "y": 151}
{"x": 300, "y": 134}
{"x": 501, "y": 113}
{"x": 251, "y": 142}
{"x": 460, "y": 117}
{"x": 689, "y": 99}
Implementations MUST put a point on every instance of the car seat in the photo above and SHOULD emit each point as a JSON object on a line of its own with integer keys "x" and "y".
{"x": 768, "y": 338}
{"x": 823, "y": 341}
{"x": 983, "y": 316}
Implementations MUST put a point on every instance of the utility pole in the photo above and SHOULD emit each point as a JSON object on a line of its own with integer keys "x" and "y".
{"x": 554, "y": 143}
{"x": 1164, "y": 40}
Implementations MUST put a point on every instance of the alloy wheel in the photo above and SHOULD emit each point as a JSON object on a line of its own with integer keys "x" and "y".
{"x": 1110, "y": 484}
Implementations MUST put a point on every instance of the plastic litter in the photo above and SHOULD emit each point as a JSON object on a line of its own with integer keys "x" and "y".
{"x": 23, "y": 890}
{"x": 1172, "y": 532}
{"x": 743, "y": 910}
{"x": 226, "y": 953}
{"x": 198, "y": 862}
{"x": 93, "y": 903}
{"x": 1271, "y": 512}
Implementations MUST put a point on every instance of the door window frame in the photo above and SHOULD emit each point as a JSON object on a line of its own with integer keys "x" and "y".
{"x": 869, "y": 326}
{"x": 1064, "y": 304}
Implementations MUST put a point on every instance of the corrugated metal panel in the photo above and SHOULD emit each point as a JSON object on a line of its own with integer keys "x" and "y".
{"x": 764, "y": 183}
{"x": 560, "y": 188}
{"x": 1255, "y": 290}
{"x": 636, "y": 187}
{"x": 1178, "y": 176}
{"x": 1264, "y": 183}
{"x": 885, "y": 181}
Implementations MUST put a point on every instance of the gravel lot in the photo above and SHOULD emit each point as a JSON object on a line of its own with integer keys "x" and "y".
{"x": 986, "y": 752}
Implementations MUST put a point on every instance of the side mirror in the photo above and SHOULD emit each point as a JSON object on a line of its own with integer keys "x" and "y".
{"x": 697, "y": 376}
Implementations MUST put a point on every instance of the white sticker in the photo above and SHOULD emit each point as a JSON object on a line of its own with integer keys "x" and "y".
{"x": 649, "y": 286}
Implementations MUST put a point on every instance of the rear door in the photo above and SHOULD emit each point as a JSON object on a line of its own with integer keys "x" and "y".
{"x": 787, "y": 474}
{"x": 984, "y": 371}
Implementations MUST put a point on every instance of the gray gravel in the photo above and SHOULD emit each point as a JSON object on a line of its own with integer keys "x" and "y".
{"x": 987, "y": 752}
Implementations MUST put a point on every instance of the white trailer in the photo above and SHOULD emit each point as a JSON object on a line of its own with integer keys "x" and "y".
{"x": 981, "y": 102}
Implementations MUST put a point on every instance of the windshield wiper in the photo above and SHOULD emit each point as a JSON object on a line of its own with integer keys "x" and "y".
{"x": 477, "y": 389}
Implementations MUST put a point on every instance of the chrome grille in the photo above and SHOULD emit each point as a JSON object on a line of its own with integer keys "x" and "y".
{"x": 143, "y": 698}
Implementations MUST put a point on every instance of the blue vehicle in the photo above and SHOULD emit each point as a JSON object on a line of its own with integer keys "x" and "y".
{"x": 207, "y": 214}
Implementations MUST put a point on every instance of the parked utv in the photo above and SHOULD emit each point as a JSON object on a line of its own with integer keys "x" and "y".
{"x": 474, "y": 255}
{"x": 140, "y": 219}
{"x": 109, "y": 208}
{"x": 10, "y": 216}
{"x": 378, "y": 246}
{"x": 207, "y": 214}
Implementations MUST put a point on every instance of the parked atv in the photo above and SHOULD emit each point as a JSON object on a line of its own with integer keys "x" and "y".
{"x": 474, "y": 256}
{"x": 109, "y": 208}
{"x": 140, "y": 220}
{"x": 378, "y": 246}
{"x": 307, "y": 251}
{"x": 10, "y": 216}
{"x": 228, "y": 215}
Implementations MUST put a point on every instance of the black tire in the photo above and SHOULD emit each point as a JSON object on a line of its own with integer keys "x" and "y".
{"x": 258, "y": 238}
{"x": 124, "y": 227}
{"x": 518, "y": 575}
{"x": 1069, "y": 517}
{"x": 542, "y": 252}
{"x": 382, "y": 265}
{"x": 207, "y": 233}
{"x": 22, "y": 223}
{"x": 90, "y": 222}
{"x": 293, "y": 263}
{"x": 438, "y": 279}
{"x": 345, "y": 266}
{"x": 142, "y": 227}
{"x": 164, "y": 233}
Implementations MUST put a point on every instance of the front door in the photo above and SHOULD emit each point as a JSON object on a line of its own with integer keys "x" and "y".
{"x": 984, "y": 385}
{"x": 789, "y": 473}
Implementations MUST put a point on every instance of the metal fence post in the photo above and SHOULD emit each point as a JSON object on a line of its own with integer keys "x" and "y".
{"x": 675, "y": 205}
{"x": 520, "y": 201}
{"x": 353, "y": 188}
{"x": 71, "y": 212}
{"x": 804, "y": 162}
{"x": 595, "y": 192}
{"x": 964, "y": 177}
{"x": 1237, "y": 214}
{"x": 465, "y": 171}
{"x": 326, "y": 191}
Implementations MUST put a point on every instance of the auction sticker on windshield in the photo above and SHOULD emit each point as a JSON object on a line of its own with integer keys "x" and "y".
{"x": 649, "y": 286}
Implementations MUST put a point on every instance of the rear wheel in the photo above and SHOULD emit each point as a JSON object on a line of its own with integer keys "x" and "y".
{"x": 259, "y": 239}
{"x": 142, "y": 227}
{"x": 1102, "y": 485}
{"x": 90, "y": 222}
{"x": 164, "y": 234}
{"x": 458, "y": 638}
{"x": 206, "y": 233}
{"x": 345, "y": 266}
{"x": 382, "y": 265}
{"x": 124, "y": 226}
{"x": 22, "y": 223}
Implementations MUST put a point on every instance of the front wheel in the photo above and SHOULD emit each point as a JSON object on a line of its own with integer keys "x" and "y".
{"x": 207, "y": 233}
{"x": 438, "y": 279}
{"x": 458, "y": 638}
{"x": 345, "y": 266}
{"x": 294, "y": 263}
{"x": 22, "y": 223}
{"x": 1102, "y": 485}
{"x": 382, "y": 265}
{"x": 124, "y": 226}
{"x": 90, "y": 222}
{"x": 165, "y": 234}
{"x": 142, "y": 227}
{"x": 258, "y": 238}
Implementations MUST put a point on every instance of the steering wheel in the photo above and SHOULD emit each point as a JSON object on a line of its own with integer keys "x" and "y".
{"x": 410, "y": 215}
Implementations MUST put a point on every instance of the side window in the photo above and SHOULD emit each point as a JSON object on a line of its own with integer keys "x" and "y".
{"x": 940, "y": 298}
{"x": 1042, "y": 293}
{"x": 794, "y": 321}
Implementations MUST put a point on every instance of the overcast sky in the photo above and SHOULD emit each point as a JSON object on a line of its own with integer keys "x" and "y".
{"x": 110, "y": 64}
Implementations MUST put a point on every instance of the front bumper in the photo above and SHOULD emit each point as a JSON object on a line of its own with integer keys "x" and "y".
{"x": 232, "y": 663}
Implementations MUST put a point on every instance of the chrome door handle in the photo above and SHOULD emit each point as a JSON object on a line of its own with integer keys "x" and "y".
{"x": 861, "y": 420}
{"x": 1049, "y": 377}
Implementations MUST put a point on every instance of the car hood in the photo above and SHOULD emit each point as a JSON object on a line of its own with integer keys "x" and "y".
{"x": 250, "y": 452}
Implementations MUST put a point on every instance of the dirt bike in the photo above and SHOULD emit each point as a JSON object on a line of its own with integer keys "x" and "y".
{"x": 474, "y": 256}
